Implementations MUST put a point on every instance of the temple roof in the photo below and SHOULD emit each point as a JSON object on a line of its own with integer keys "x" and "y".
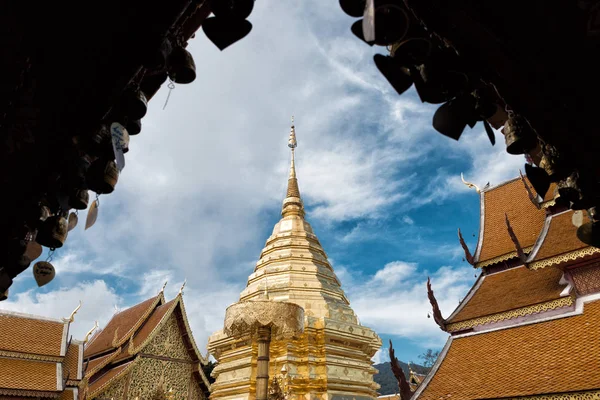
{"x": 29, "y": 375}
{"x": 509, "y": 289}
{"x": 527, "y": 220}
{"x": 25, "y": 333}
{"x": 555, "y": 356}
{"x": 73, "y": 362}
{"x": 558, "y": 238}
{"x": 103, "y": 368}
{"x": 121, "y": 326}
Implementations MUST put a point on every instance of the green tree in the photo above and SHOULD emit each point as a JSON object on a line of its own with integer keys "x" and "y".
{"x": 429, "y": 357}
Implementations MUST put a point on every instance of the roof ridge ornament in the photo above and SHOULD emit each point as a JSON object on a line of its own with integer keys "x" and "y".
{"x": 182, "y": 286}
{"x": 89, "y": 333}
{"x": 437, "y": 314}
{"x": 72, "y": 316}
{"x": 520, "y": 252}
{"x": 469, "y": 184}
{"x": 162, "y": 290}
{"x": 532, "y": 198}
{"x": 405, "y": 392}
{"x": 470, "y": 259}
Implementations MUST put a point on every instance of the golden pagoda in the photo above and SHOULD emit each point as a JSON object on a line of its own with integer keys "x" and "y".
{"x": 529, "y": 328}
{"x": 145, "y": 352}
{"x": 327, "y": 352}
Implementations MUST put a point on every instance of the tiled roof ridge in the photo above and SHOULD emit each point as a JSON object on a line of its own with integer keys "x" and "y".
{"x": 542, "y": 237}
{"x": 125, "y": 368}
{"x": 494, "y": 187}
{"x": 468, "y": 297}
{"x": 133, "y": 349}
{"x": 160, "y": 298}
{"x": 32, "y": 316}
{"x": 109, "y": 358}
{"x": 203, "y": 359}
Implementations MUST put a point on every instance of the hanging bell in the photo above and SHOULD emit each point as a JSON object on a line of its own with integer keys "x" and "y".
{"x": 452, "y": 118}
{"x": 79, "y": 199}
{"x": 103, "y": 176}
{"x": 232, "y": 9}
{"x": 101, "y": 143}
{"x": 589, "y": 233}
{"x": 357, "y": 30}
{"x": 18, "y": 265}
{"x": 4, "y": 295}
{"x": 157, "y": 58}
{"x": 151, "y": 83}
{"x": 53, "y": 232}
{"x": 395, "y": 73}
{"x": 134, "y": 126}
{"x": 134, "y": 104}
{"x": 568, "y": 188}
{"x": 182, "y": 68}
{"x": 519, "y": 137}
{"x": 224, "y": 33}
{"x": 354, "y": 8}
{"x": 539, "y": 179}
{"x": 43, "y": 272}
{"x": 33, "y": 250}
{"x": 391, "y": 23}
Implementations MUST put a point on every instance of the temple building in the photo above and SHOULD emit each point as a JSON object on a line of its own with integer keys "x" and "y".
{"x": 329, "y": 356}
{"x": 529, "y": 328}
{"x": 38, "y": 358}
{"x": 145, "y": 352}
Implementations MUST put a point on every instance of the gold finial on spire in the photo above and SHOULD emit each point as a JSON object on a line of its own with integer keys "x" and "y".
{"x": 87, "y": 335}
{"x": 292, "y": 205}
{"x": 72, "y": 316}
{"x": 292, "y": 144}
{"x": 182, "y": 286}
{"x": 469, "y": 184}
{"x": 163, "y": 287}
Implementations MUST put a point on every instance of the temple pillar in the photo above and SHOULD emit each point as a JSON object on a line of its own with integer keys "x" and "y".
{"x": 262, "y": 364}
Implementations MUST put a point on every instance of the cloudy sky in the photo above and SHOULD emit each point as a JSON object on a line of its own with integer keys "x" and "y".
{"x": 204, "y": 181}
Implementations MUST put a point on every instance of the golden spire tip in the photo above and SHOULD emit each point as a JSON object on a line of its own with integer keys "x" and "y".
{"x": 182, "y": 286}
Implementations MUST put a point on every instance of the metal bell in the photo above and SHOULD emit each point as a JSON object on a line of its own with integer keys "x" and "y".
{"x": 452, "y": 118}
{"x": 519, "y": 137}
{"x": 157, "y": 58}
{"x": 103, "y": 176}
{"x": 101, "y": 143}
{"x": 134, "y": 126}
{"x": 391, "y": 24}
{"x": 53, "y": 232}
{"x": 43, "y": 272}
{"x": 589, "y": 233}
{"x": 134, "y": 104}
{"x": 232, "y": 9}
{"x": 539, "y": 179}
{"x": 394, "y": 72}
{"x": 182, "y": 68}
{"x": 357, "y": 30}
{"x": 79, "y": 200}
{"x": 18, "y": 265}
{"x": 354, "y": 8}
{"x": 152, "y": 82}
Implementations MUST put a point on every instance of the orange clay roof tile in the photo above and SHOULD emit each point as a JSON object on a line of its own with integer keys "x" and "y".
{"x": 97, "y": 363}
{"x": 526, "y": 220}
{"x": 24, "y": 334}
{"x": 555, "y": 356}
{"x": 28, "y": 375}
{"x": 122, "y": 323}
{"x": 511, "y": 289}
{"x": 99, "y": 384}
{"x": 72, "y": 362}
{"x": 68, "y": 394}
{"x": 561, "y": 237}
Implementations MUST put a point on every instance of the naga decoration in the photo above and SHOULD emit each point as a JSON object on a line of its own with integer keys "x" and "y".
{"x": 469, "y": 184}
{"x": 468, "y": 256}
{"x": 532, "y": 198}
{"x": 437, "y": 314}
{"x": 72, "y": 316}
{"x": 403, "y": 386}
{"x": 520, "y": 253}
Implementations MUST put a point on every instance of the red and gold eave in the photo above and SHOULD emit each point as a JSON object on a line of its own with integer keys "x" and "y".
{"x": 113, "y": 351}
{"x": 38, "y": 357}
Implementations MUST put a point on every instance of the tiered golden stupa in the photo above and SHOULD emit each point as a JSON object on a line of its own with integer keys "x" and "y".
{"x": 331, "y": 358}
{"x": 37, "y": 357}
{"x": 529, "y": 328}
{"x": 145, "y": 352}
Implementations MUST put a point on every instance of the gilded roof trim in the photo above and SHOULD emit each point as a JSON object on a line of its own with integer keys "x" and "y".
{"x": 127, "y": 367}
{"x": 159, "y": 299}
{"x": 570, "y": 256}
{"x": 468, "y": 297}
{"x": 104, "y": 363}
{"x": 516, "y": 313}
{"x": 29, "y": 393}
{"x": 203, "y": 359}
{"x": 433, "y": 369}
{"x": 133, "y": 349}
{"x": 504, "y": 257}
{"x": 549, "y": 203}
{"x": 481, "y": 226}
{"x": 29, "y": 356}
{"x": 585, "y": 395}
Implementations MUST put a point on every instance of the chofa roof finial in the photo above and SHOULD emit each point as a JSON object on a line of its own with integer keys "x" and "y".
{"x": 469, "y": 184}
{"x": 72, "y": 316}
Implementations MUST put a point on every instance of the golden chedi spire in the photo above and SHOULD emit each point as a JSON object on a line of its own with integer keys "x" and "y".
{"x": 292, "y": 204}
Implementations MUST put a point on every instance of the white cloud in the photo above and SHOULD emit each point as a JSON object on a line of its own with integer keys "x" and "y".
{"x": 408, "y": 220}
{"x": 98, "y": 301}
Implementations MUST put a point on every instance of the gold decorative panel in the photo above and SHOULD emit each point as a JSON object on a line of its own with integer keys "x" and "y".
{"x": 149, "y": 373}
{"x": 168, "y": 341}
{"x": 519, "y": 312}
{"x": 116, "y": 390}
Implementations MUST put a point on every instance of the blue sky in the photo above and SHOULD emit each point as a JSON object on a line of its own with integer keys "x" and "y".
{"x": 204, "y": 181}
